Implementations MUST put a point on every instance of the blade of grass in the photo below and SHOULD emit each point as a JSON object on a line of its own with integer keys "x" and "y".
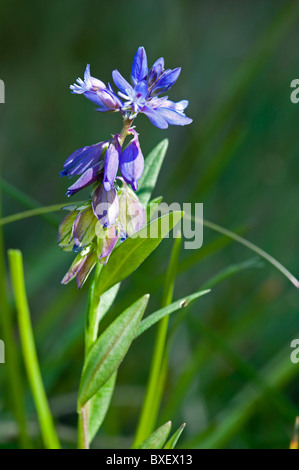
{"x": 32, "y": 213}
{"x": 14, "y": 375}
{"x": 251, "y": 246}
{"x": 29, "y": 352}
{"x": 154, "y": 389}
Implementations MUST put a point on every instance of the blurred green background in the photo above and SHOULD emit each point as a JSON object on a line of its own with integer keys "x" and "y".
{"x": 230, "y": 377}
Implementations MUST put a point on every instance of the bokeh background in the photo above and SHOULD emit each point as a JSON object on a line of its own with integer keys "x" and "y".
{"x": 230, "y": 376}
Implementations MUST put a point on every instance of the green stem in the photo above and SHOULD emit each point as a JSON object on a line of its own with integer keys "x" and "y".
{"x": 92, "y": 324}
{"x": 13, "y": 364}
{"x": 29, "y": 352}
{"x": 155, "y": 385}
{"x": 31, "y": 213}
{"x": 252, "y": 247}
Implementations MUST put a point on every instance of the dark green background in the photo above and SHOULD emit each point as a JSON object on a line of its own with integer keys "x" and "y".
{"x": 239, "y": 157}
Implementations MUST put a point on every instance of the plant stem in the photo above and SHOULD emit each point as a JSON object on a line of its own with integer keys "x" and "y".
{"x": 92, "y": 324}
{"x": 124, "y": 131}
{"x": 155, "y": 385}
{"x": 32, "y": 212}
{"x": 29, "y": 352}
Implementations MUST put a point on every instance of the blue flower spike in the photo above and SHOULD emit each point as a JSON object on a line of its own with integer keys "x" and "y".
{"x": 114, "y": 212}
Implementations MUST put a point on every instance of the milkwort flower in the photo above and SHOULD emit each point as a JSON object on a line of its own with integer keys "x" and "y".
{"x": 97, "y": 92}
{"x": 114, "y": 211}
{"x": 142, "y": 95}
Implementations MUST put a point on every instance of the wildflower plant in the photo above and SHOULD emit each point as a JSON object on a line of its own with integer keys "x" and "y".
{"x": 113, "y": 231}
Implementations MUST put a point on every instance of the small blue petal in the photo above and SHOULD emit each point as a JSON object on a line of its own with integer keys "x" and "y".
{"x": 82, "y": 159}
{"x": 166, "y": 81}
{"x": 155, "y": 117}
{"x": 132, "y": 162}
{"x": 111, "y": 164}
{"x": 121, "y": 82}
{"x": 139, "y": 67}
{"x": 173, "y": 117}
{"x": 86, "y": 179}
{"x": 156, "y": 70}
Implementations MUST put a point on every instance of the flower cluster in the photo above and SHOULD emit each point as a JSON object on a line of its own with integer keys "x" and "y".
{"x": 114, "y": 211}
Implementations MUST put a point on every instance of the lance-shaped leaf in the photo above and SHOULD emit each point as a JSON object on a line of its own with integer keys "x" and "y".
{"x": 170, "y": 444}
{"x": 98, "y": 406}
{"x": 150, "y": 320}
{"x": 109, "y": 350}
{"x": 157, "y": 439}
{"x": 126, "y": 258}
{"x": 152, "y": 166}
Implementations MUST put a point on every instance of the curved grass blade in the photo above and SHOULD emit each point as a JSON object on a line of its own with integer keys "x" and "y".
{"x": 157, "y": 439}
{"x": 251, "y": 246}
{"x": 109, "y": 350}
{"x": 32, "y": 213}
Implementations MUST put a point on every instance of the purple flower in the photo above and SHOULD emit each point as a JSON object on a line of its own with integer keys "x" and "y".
{"x": 89, "y": 176}
{"x": 82, "y": 159}
{"x": 105, "y": 205}
{"x": 132, "y": 161}
{"x": 111, "y": 163}
{"x": 142, "y": 97}
{"x": 97, "y": 92}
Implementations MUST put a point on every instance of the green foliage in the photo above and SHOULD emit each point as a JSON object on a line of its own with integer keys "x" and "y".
{"x": 109, "y": 350}
{"x": 171, "y": 443}
{"x": 98, "y": 406}
{"x": 157, "y": 439}
{"x": 152, "y": 319}
{"x": 134, "y": 250}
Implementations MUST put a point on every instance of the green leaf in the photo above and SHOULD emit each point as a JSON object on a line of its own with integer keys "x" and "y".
{"x": 99, "y": 405}
{"x": 170, "y": 444}
{"x": 134, "y": 250}
{"x": 152, "y": 166}
{"x": 109, "y": 350}
{"x": 150, "y": 320}
{"x": 157, "y": 439}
